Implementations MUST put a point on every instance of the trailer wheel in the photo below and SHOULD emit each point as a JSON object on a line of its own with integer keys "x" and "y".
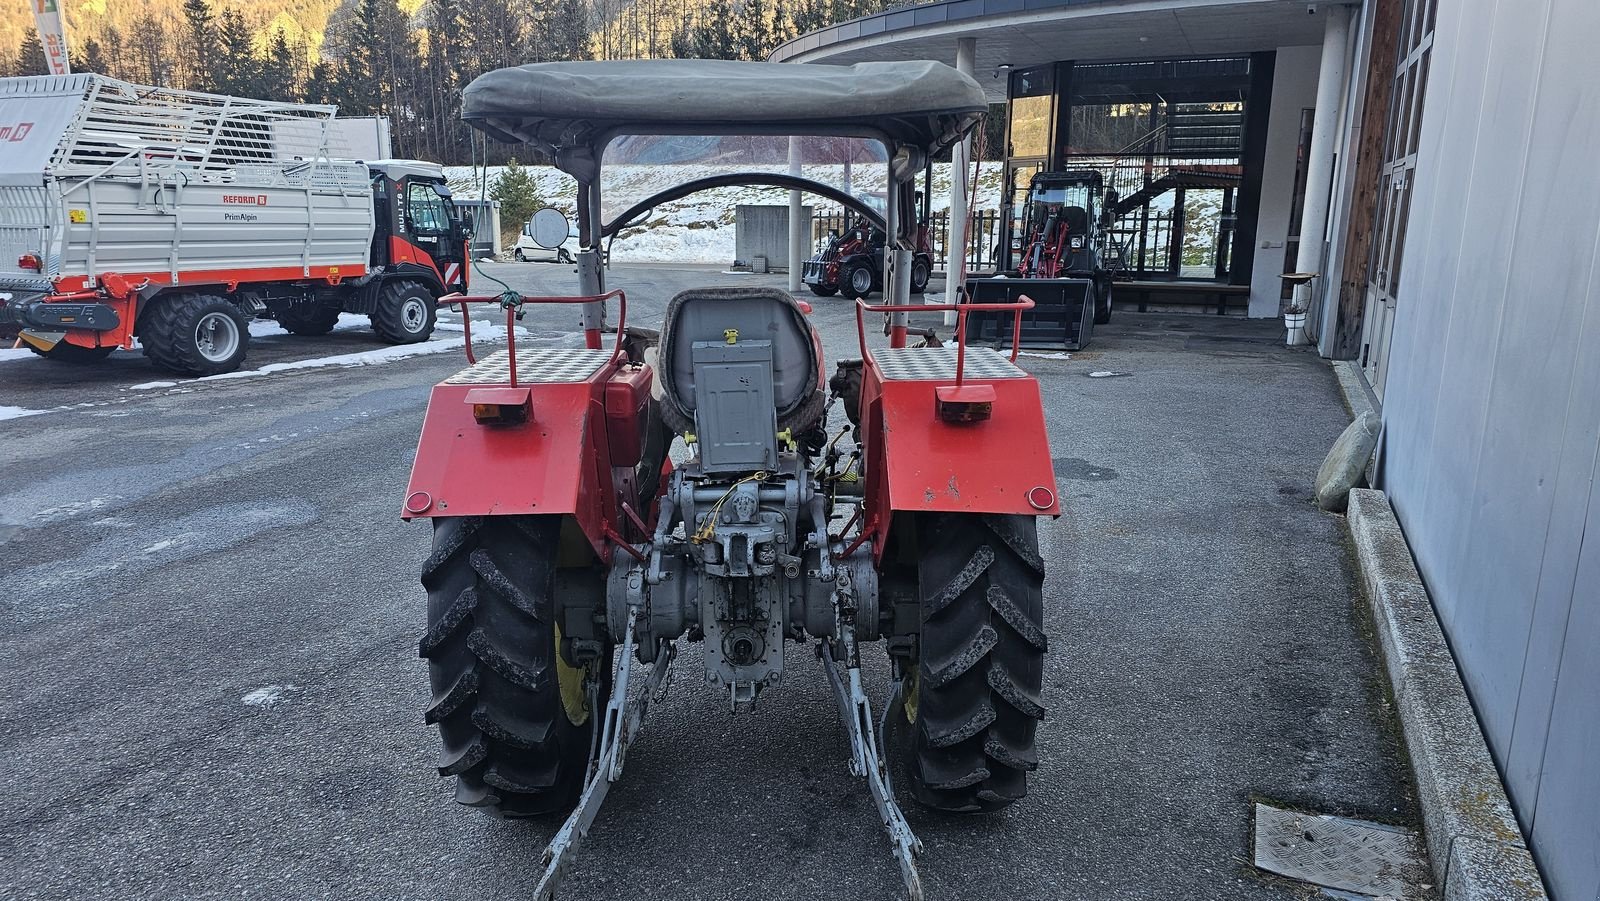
{"x": 972, "y": 700}
{"x": 824, "y": 290}
{"x": 920, "y": 273}
{"x": 308, "y": 319}
{"x": 512, "y": 713}
{"x": 194, "y": 334}
{"x": 1102, "y": 306}
{"x": 405, "y": 312}
{"x": 63, "y": 352}
{"x": 856, "y": 278}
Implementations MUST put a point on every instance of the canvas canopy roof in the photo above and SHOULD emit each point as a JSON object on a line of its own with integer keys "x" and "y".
{"x": 572, "y": 109}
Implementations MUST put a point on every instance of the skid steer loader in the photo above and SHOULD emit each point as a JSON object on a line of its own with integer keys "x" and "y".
{"x": 570, "y": 554}
{"x": 1062, "y": 258}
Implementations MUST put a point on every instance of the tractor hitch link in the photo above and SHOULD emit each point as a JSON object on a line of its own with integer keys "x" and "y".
{"x": 866, "y": 753}
{"x": 624, "y": 719}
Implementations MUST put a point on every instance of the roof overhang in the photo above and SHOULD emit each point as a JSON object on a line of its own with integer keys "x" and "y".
{"x": 1020, "y": 33}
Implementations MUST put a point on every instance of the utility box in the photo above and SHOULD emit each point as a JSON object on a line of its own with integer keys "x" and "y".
{"x": 762, "y": 230}
{"x": 360, "y": 138}
{"x": 485, "y": 226}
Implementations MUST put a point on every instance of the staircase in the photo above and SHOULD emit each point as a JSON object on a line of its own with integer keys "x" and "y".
{"x": 1197, "y": 147}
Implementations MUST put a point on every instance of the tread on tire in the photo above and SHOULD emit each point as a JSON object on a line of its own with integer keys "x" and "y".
{"x": 389, "y": 318}
{"x": 968, "y": 741}
{"x": 491, "y": 652}
{"x": 167, "y": 333}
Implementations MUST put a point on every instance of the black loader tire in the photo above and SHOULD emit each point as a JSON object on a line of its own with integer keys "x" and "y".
{"x": 405, "y": 313}
{"x": 1102, "y": 306}
{"x": 491, "y": 646}
{"x": 824, "y": 290}
{"x": 309, "y": 319}
{"x": 848, "y": 279}
{"x": 973, "y": 704}
{"x": 74, "y": 354}
{"x": 921, "y": 272}
{"x": 169, "y": 330}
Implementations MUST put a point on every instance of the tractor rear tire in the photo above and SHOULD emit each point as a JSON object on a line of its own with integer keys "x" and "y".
{"x": 308, "y": 319}
{"x": 194, "y": 334}
{"x": 973, "y": 704}
{"x": 503, "y": 698}
{"x": 405, "y": 313}
{"x": 824, "y": 290}
{"x": 75, "y": 354}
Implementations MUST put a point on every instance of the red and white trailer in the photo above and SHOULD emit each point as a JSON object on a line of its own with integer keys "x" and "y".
{"x": 172, "y": 218}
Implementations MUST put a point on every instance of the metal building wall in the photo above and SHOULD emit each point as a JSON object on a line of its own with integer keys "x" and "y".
{"x": 1492, "y": 417}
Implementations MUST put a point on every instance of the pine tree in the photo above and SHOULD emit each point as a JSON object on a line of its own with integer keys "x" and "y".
{"x": 89, "y": 58}
{"x": 30, "y": 54}
{"x": 518, "y": 196}
{"x": 279, "y": 69}
{"x": 753, "y": 33}
{"x": 201, "y": 39}
{"x": 238, "y": 71}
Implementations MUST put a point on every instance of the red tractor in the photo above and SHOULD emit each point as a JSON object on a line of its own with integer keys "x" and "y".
{"x": 571, "y": 553}
{"x": 852, "y": 262}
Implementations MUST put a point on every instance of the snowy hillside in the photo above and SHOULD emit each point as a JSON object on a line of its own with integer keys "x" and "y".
{"x": 699, "y": 228}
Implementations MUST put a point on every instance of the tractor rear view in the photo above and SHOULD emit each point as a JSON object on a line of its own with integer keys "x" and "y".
{"x": 571, "y": 555}
{"x": 1062, "y": 259}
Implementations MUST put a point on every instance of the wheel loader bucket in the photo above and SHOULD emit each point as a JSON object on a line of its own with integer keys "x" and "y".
{"x": 1062, "y": 317}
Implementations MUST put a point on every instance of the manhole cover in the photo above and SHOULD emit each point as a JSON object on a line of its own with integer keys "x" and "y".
{"x": 1351, "y": 855}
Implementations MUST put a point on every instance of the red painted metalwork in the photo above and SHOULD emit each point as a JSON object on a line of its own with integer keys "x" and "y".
{"x": 511, "y": 318}
{"x": 916, "y": 462}
{"x": 559, "y": 462}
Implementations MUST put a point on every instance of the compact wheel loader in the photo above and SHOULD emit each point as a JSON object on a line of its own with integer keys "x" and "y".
{"x": 571, "y": 555}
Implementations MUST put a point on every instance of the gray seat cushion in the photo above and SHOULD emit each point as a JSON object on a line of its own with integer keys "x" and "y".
{"x": 758, "y": 314}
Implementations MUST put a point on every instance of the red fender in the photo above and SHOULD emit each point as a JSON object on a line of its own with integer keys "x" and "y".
{"x": 916, "y": 462}
{"x": 558, "y": 462}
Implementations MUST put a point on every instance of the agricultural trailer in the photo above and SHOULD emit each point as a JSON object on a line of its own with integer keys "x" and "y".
{"x": 173, "y": 218}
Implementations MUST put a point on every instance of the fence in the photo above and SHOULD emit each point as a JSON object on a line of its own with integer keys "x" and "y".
{"x": 983, "y": 235}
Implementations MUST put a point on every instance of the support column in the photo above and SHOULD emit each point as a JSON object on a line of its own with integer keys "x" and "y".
{"x": 1319, "y": 161}
{"x": 797, "y": 229}
{"x": 960, "y": 168}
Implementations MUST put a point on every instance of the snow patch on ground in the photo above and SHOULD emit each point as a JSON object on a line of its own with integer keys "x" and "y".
{"x": 267, "y": 696}
{"x": 1058, "y": 355}
{"x": 18, "y": 412}
{"x": 15, "y": 353}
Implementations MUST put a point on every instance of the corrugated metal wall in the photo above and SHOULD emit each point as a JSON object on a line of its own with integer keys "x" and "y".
{"x": 1492, "y": 447}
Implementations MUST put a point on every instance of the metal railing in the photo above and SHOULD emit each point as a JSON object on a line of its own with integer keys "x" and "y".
{"x": 983, "y": 235}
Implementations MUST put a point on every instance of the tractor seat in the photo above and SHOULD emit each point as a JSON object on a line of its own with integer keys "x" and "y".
{"x": 721, "y": 326}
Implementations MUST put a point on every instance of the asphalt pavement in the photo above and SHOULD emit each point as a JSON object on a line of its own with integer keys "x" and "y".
{"x": 210, "y": 610}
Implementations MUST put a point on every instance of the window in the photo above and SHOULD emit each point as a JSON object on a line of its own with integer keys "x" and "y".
{"x": 426, "y": 209}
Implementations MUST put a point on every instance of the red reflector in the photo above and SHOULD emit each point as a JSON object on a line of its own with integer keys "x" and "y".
{"x": 968, "y": 403}
{"x": 30, "y": 261}
{"x": 804, "y": 307}
{"x": 501, "y": 406}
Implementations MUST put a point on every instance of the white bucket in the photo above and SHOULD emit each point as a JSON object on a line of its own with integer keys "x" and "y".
{"x": 1295, "y": 323}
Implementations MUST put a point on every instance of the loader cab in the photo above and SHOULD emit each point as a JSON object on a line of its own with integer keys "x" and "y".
{"x": 1061, "y": 224}
{"x": 420, "y": 231}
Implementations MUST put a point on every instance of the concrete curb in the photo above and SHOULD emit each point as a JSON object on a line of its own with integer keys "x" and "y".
{"x": 1477, "y": 849}
{"x": 1353, "y": 385}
